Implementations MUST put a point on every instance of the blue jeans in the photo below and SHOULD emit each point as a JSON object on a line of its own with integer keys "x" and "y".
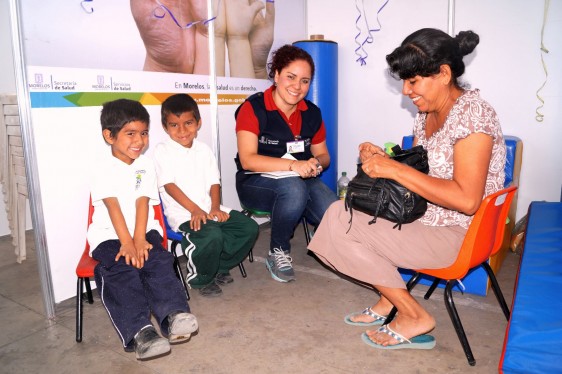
{"x": 288, "y": 200}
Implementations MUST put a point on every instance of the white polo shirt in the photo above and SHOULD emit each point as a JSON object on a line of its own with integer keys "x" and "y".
{"x": 194, "y": 170}
{"x": 112, "y": 177}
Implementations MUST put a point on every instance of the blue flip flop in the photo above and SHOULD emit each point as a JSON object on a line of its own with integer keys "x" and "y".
{"x": 417, "y": 342}
{"x": 379, "y": 320}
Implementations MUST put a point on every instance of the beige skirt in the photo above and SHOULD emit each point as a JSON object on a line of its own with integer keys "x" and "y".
{"x": 372, "y": 253}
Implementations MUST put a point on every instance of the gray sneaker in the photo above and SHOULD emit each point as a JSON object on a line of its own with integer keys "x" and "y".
{"x": 180, "y": 326}
{"x": 223, "y": 278}
{"x": 279, "y": 265}
{"x": 210, "y": 290}
{"x": 148, "y": 344}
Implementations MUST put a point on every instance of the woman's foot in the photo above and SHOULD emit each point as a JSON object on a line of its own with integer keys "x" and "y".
{"x": 369, "y": 315}
{"x": 406, "y": 326}
{"x": 424, "y": 341}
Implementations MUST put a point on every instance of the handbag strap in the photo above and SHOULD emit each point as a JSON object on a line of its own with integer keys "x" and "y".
{"x": 349, "y": 204}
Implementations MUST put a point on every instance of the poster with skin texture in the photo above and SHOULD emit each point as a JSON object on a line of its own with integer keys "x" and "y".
{"x": 80, "y": 54}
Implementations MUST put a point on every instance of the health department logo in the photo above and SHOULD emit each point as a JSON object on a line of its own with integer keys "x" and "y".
{"x": 38, "y": 82}
{"x": 101, "y": 85}
{"x": 121, "y": 86}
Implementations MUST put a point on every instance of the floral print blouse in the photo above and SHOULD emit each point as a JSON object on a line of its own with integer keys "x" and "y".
{"x": 470, "y": 114}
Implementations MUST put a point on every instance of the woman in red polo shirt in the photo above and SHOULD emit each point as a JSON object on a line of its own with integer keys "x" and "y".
{"x": 279, "y": 130}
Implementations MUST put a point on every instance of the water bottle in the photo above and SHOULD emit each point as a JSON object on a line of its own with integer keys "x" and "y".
{"x": 342, "y": 185}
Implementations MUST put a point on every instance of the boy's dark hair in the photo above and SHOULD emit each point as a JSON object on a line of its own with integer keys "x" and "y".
{"x": 423, "y": 52}
{"x": 178, "y": 104}
{"x": 116, "y": 114}
{"x": 285, "y": 55}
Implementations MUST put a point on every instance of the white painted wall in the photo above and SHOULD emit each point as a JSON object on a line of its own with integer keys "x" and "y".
{"x": 7, "y": 79}
{"x": 505, "y": 66}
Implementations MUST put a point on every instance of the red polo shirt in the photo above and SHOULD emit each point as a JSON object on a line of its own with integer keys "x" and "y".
{"x": 248, "y": 121}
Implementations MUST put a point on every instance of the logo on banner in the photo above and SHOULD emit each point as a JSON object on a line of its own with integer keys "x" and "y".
{"x": 101, "y": 85}
{"x": 121, "y": 86}
{"x": 38, "y": 82}
{"x": 64, "y": 85}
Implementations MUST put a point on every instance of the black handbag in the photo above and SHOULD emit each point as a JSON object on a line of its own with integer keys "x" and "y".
{"x": 386, "y": 198}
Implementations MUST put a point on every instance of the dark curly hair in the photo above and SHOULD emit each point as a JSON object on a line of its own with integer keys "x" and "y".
{"x": 178, "y": 104}
{"x": 117, "y": 113}
{"x": 284, "y": 56}
{"x": 423, "y": 52}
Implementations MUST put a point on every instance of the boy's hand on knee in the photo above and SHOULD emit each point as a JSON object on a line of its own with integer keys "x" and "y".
{"x": 218, "y": 215}
{"x": 129, "y": 252}
{"x": 142, "y": 247}
{"x": 198, "y": 217}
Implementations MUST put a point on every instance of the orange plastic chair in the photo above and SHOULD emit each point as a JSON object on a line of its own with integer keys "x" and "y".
{"x": 483, "y": 239}
{"x": 86, "y": 265}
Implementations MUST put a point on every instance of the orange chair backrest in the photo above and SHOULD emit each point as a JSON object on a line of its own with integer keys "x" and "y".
{"x": 484, "y": 236}
{"x": 90, "y": 215}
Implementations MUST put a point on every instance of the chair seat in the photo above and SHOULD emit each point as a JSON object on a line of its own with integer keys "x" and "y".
{"x": 85, "y": 269}
{"x": 86, "y": 265}
{"x": 256, "y": 212}
{"x": 173, "y": 235}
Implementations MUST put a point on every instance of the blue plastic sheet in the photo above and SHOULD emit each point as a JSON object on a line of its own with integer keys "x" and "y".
{"x": 534, "y": 334}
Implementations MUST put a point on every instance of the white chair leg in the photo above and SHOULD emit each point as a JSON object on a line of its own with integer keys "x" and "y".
{"x": 21, "y": 249}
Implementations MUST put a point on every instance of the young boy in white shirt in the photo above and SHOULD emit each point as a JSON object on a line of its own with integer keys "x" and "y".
{"x": 215, "y": 238}
{"x": 135, "y": 273}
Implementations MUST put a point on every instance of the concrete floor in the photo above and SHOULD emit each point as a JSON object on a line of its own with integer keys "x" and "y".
{"x": 257, "y": 326}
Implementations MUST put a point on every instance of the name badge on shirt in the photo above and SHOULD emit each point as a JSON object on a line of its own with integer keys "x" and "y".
{"x": 296, "y": 146}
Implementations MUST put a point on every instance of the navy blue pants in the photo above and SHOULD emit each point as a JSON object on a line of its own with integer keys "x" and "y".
{"x": 288, "y": 200}
{"x": 130, "y": 295}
